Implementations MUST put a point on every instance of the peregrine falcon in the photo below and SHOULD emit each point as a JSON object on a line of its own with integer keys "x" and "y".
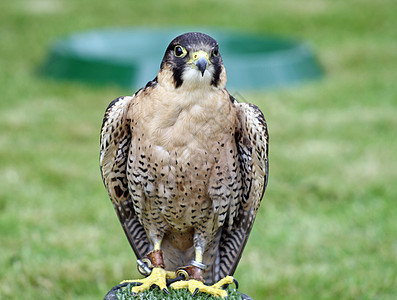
{"x": 186, "y": 166}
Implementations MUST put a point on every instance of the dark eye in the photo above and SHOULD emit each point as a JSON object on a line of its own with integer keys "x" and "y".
{"x": 179, "y": 51}
{"x": 215, "y": 51}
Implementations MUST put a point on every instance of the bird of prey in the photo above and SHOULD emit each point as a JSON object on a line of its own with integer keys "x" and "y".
{"x": 185, "y": 166}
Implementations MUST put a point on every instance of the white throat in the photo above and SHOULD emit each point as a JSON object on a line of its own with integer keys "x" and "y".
{"x": 192, "y": 79}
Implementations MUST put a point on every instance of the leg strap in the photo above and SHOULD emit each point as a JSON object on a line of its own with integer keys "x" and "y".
{"x": 156, "y": 257}
{"x": 191, "y": 272}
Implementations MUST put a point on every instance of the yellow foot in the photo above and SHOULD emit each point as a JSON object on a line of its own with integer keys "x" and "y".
{"x": 195, "y": 286}
{"x": 157, "y": 277}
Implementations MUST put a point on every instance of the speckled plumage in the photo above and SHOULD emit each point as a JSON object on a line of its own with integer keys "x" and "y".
{"x": 186, "y": 164}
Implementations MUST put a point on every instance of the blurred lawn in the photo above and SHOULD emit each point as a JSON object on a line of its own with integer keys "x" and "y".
{"x": 328, "y": 227}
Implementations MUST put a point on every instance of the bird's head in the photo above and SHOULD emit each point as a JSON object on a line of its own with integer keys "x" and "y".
{"x": 193, "y": 59}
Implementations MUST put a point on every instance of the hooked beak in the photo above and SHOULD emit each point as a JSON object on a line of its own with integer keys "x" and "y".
{"x": 201, "y": 65}
{"x": 201, "y": 60}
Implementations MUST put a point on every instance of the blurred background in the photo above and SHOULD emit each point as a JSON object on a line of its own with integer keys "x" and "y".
{"x": 327, "y": 227}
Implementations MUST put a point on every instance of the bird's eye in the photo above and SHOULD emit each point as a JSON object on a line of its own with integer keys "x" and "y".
{"x": 215, "y": 51}
{"x": 179, "y": 51}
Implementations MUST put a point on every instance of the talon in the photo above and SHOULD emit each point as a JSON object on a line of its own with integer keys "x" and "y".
{"x": 165, "y": 291}
{"x": 225, "y": 286}
{"x": 171, "y": 281}
{"x": 235, "y": 282}
{"x": 157, "y": 277}
{"x": 195, "y": 286}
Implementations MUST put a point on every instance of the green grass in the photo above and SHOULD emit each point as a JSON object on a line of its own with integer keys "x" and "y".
{"x": 327, "y": 227}
{"x": 180, "y": 294}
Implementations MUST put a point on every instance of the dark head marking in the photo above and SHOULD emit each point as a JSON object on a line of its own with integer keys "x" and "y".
{"x": 177, "y": 55}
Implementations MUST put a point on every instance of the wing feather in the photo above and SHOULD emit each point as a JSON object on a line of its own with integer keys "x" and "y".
{"x": 115, "y": 143}
{"x": 252, "y": 142}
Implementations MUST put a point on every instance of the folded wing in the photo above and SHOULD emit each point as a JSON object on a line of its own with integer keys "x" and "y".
{"x": 252, "y": 141}
{"x": 115, "y": 144}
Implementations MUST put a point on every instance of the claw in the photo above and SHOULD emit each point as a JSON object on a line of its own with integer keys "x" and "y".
{"x": 235, "y": 282}
{"x": 165, "y": 291}
{"x": 195, "y": 286}
{"x": 225, "y": 286}
{"x": 171, "y": 281}
{"x": 156, "y": 278}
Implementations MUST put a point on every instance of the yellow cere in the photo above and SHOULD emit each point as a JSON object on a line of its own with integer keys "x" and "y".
{"x": 197, "y": 55}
